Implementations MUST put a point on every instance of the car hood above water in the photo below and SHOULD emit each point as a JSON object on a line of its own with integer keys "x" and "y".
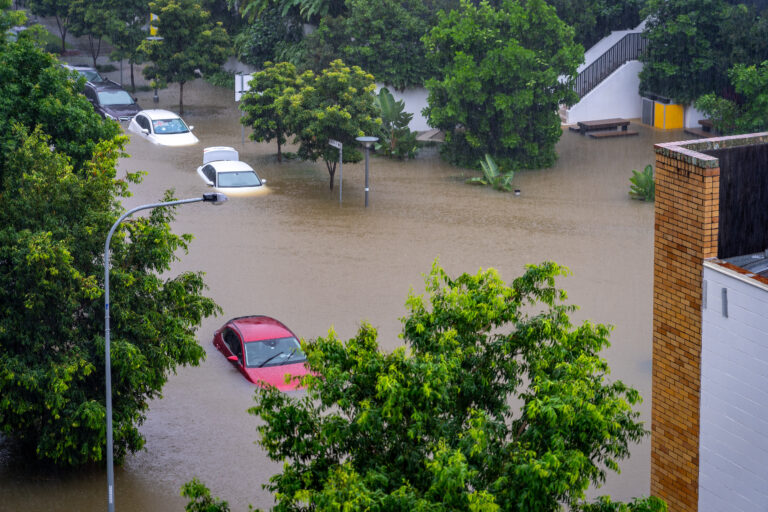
{"x": 175, "y": 139}
{"x": 275, "y": 375}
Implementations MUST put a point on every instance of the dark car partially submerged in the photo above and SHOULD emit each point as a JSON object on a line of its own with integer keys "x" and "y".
{"x": 111, "y": 101}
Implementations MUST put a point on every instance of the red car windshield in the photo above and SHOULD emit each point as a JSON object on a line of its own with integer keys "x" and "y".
{"x": 273, "y": 352}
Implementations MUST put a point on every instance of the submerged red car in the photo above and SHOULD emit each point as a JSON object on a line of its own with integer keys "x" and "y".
{"x": 263, "y": 349}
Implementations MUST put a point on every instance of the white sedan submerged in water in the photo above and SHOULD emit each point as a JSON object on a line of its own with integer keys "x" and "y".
{"x": 162, "y": 127}
{"x": 223, "y": 171}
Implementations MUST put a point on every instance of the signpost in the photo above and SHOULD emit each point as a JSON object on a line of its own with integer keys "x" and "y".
{"x": 242, "y": 85}
{"x": 338, "y": 145}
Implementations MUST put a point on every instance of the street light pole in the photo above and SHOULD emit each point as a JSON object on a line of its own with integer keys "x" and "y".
{"x": 367, "y": 142}
{"x": 209, "y": 198}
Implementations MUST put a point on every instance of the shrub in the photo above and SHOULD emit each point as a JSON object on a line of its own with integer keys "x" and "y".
{"x": 643, "y": 185}
{"x": 493, "y": 176}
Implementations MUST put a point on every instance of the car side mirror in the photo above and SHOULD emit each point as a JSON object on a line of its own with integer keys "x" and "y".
{"x": 234, "y": 359}
{"x": 135, "y": 99}
{"x": 145, "y": 131}
{"x": 263, "y": 182}
{"x": 191, "y": 128}
{"x": 209, "y": 184}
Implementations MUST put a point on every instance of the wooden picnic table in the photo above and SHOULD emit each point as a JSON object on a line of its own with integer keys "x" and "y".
{"x": 706, "y": 124}
{"x": 603, "y": 124}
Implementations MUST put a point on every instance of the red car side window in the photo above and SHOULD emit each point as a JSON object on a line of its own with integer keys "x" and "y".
{"x": 233, "y": 342}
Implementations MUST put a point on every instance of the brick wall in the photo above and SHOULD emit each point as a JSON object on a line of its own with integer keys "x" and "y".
{"x": 687, "y": 198}
{"x": 688, "y": 194}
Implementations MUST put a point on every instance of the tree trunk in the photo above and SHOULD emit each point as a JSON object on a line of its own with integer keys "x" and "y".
{"x": 133, "y": 82}
{"x": 63, "y": 34}
{"x": 331, "y": 170}
{"x": 95, "y": 51}
{"x": 279, "y": 152}
{"x": 181, "y": 98}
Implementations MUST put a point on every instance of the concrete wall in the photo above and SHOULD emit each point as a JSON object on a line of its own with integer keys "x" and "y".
{"x": 733, "y": 465}
{"x": 692, "y": 117}
{"x": 616, "y": 96}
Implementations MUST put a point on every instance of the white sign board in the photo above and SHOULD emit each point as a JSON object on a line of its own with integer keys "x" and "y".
{"x": 242, "y": 85}
{"x": 336, "y": 144}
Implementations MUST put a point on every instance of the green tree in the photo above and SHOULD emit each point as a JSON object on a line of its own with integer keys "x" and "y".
{"x": 594, "y": 19}
{"x": 504, "y": 74}
{"x": 335, "y": 104}
{"x": 750, "y": 113}
{"x": 60, "y": 197}
{"x": 684, "y": 49}
{"x": 9, "y": 18}
{"x": 264, "y": 37}
{"x": 309, "y": 10}
{"x": 91, "y": 18}
{"x": 189, "y": 43}
{"x": 58, "y": 9}
{"x": 263, "y": 104}
{"x": 497, "y": 402}
{"x": 381, "y": 36}
{"x": 127, "y": 22}
{"x": 384, "y": 38}
{"x": 35, "y": 91}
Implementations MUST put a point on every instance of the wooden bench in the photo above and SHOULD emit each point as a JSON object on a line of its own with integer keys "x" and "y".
{"x": 702, "y": 134}
{"x": 603, "y": 124}
{"x": 706, "y": 125}
{"x": 612, "y": 133}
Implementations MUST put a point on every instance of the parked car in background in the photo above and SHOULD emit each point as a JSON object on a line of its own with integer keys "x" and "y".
{"x": 263, "y": 349}
{"x": 162, "y": 127}
{"x": 111, "y": 101}
{"x": 223, "y": 171}
{"x": 90, "y": 74}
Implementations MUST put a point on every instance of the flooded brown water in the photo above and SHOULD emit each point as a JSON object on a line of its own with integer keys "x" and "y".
{"x": 298, "y": 255}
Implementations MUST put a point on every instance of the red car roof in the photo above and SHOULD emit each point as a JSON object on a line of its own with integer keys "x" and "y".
{"x": 256, "y": 328}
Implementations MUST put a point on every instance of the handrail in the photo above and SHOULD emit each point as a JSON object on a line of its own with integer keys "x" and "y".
{"x": 627, "y": 48}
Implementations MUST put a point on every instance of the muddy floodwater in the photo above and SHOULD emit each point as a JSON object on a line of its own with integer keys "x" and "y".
{"x": 296, "y": 254}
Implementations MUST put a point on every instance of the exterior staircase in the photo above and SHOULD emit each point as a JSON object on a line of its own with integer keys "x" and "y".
{"x": 607, "y": 83}
{"x": 626, "y": 49}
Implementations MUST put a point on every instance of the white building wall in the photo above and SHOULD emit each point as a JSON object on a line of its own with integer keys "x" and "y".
{"x": 415, "y": 99}
{"x": 616, "y": 96}
{"x": 733, "y": 443}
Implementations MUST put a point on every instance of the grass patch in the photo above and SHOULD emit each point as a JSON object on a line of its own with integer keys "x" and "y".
{"x": 221, "y": 79}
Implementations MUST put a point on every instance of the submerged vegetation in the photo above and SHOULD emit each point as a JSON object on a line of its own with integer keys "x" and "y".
{"x": 493, "y": 176}
{"x": 643, "y": 185}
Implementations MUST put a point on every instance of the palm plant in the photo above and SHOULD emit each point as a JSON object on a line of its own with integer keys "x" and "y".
{"x": 643, "y": 186}
{"x": 493, "y": 176}
{"x": 397, "y": 138}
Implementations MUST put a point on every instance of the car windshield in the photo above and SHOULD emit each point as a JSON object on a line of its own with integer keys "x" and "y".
{"x": 239, "y": 179}
{"x": 168, "y": 126}
{"x": 91, "y": 76}
{"x": 109, "y": 98}
{"x": 274, "y": 352}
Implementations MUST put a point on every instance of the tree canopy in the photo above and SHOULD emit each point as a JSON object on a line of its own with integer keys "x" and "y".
{"x": 59, "y": 9}
{"x": 36, "y": 91}
{"x": 61, "y": 195}
{"x": 747, "y": 115}
{"x": 503, "y": 75}
{"x": 381, "y": 36}
{"x": 189, "y": 43}
{"x": 335, "y": 104}
{"x": 496, "y": 402}
{"x": 264, "y": 112}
